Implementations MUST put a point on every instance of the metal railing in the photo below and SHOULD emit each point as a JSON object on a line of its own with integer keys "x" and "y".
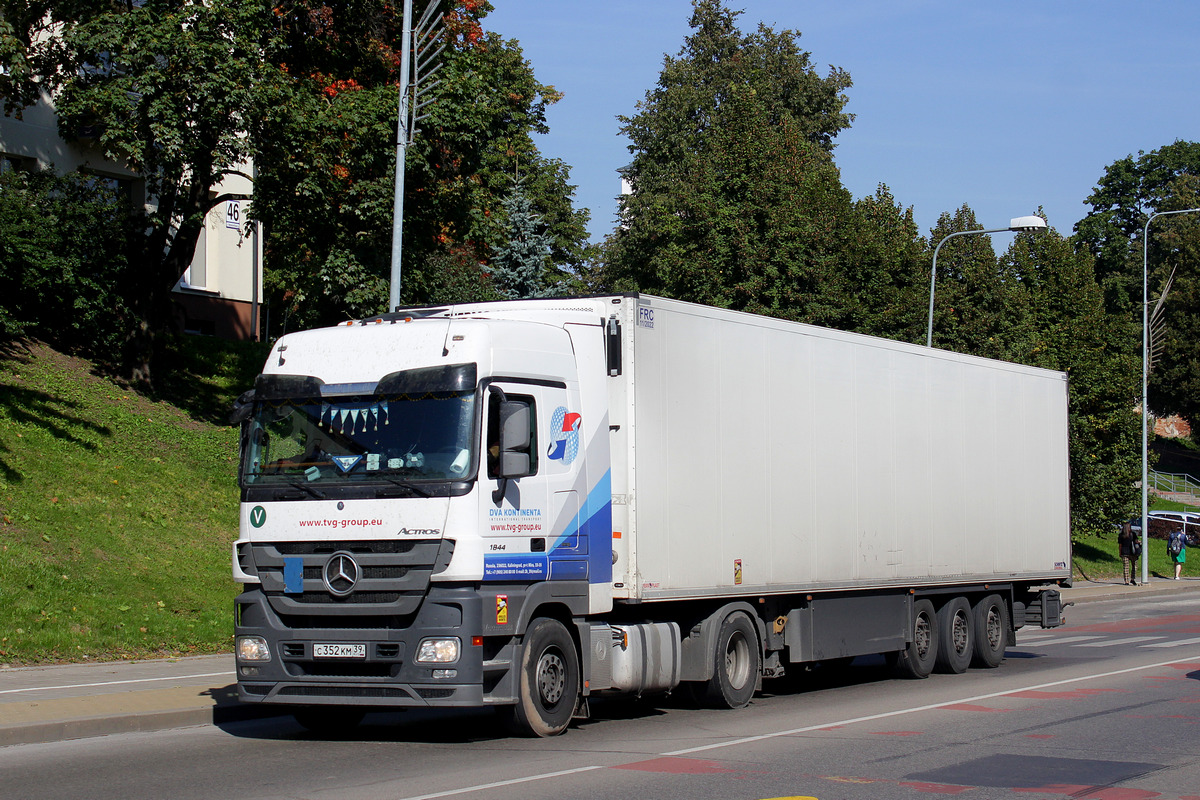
{"x": 1167, "y": 482}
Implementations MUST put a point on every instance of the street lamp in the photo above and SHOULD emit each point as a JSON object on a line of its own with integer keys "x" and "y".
{"x": 1145, "y": 381}
{"x": 1017, "y": 225}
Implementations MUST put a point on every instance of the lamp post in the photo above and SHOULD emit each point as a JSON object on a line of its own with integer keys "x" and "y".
{"x": 1145, "y": 382}
{"x": 1017, "y": 224}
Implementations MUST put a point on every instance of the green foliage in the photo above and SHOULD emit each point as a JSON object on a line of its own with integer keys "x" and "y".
{"x": 884, "y": 270}
{"x": 327, "y": 150}
{"x": 736, "y": 200}
{"x": 169, "y": 89}
{"x": 1163, "y": 180}
{"x": 63, "y": 262}
{"x": 1064, "y": 325}
{"x": 519, "y": 265}
{"x": 117, "y": 513}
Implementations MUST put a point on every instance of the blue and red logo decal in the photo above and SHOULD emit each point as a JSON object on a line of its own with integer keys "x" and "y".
{"x": 564, "y": 426}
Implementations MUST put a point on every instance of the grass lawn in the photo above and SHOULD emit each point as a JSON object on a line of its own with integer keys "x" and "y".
{"x": 117, "y": 513}
{"x": 1095, "y": 558}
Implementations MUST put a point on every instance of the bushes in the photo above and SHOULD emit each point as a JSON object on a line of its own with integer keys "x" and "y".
{"x": 64, "y": 263}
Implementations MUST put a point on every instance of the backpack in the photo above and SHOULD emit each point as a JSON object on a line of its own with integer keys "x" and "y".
{"x": 1175, "y": 544}
{"x": 1135, "y": 545}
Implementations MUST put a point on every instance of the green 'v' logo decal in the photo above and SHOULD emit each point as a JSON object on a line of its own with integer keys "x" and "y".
{"x": 258, "y": 516}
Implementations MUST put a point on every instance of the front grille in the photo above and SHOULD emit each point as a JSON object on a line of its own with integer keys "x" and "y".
{"x": 435, "y": 694}
{"x": 337, "y": 669}
{"x": 357, "y": 598}
{"x": 339, "y": 691}
{"x": 394, "y": 576}
{"x": 329, "y": 548}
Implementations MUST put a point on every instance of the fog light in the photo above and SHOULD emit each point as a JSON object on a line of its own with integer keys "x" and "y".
{"x": 253, "y": 648}
{"x": 248, "y": 672}
{"x": 445, "y": 673}
{"x": 437, "y": 651}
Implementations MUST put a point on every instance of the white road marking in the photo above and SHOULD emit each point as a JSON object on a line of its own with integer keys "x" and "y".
{"x": 1115, "y": 642}
{"x": 807, "y": 729}
{"x": 1177, "y": 643}
{"x": 1068, "y": 640}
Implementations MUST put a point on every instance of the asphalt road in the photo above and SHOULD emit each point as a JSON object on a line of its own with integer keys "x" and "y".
{"x": 1107, "y": 708}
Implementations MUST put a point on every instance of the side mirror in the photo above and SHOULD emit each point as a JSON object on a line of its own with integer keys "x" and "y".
{"x": 515, "y": 436}
{"x": 240, "y": 412}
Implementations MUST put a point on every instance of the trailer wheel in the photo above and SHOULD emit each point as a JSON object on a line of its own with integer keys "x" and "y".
{"x": 956, "y": 640}
{"x": 918, "y": 658}
{"x": 991, "y": 631}
{"x": 737, "y": 665}
{"x": 548, "y": 682}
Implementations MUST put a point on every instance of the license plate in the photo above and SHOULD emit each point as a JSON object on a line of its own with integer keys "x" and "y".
{"x": 339, "y": 650}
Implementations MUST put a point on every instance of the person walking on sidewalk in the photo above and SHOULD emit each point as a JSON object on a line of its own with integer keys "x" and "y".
{"x": 1177, "y": 549}
{"x": 1129, "y": 546}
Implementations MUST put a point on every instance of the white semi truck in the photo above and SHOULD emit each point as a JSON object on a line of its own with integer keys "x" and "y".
{"x": 525, "y": 504}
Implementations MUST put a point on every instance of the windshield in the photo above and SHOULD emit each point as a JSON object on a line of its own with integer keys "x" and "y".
{"x": 378, "y": 437}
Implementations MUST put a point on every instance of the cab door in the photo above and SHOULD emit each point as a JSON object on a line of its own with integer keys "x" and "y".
{"x": 527, "y": 531}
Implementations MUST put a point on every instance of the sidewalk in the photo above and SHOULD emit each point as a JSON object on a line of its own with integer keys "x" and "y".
{"x": 74, "y": 701}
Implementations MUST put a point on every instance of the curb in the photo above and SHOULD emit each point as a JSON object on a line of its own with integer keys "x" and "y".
{"x": 133, "y": 722}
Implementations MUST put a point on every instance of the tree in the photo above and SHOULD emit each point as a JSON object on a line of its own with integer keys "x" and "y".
{"x": 329, "y": 142}
{"x": 519, "y": 265}
{"x": 1067, "y": 327}
{"x": 64, "y": 263}
{"x": 979, "y": 305}
{"x": 1167, "y": 179}
{"x": 167, "y": 87}
{"x": 189, "y": 92}
{"x": 885, "y": 270}
{"x": 736, "y": 200}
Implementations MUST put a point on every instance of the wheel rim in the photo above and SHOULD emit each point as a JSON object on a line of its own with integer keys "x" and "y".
{"x": 737, "y": 661}
{"x": 992, "y": 628}
{"x": 961, "y": 632}
{"x": 551, "y": 677}
{"x": 922, "y": 635}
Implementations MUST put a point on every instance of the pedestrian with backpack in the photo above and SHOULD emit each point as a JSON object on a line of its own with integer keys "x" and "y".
{"x": 1130, "y": 547}
{"x": 1177, "y": 549}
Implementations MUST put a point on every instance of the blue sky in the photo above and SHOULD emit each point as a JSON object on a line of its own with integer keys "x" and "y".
{"x": 1003, "y": 106}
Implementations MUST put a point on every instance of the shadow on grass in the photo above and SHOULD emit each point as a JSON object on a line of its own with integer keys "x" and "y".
{"x": 1088, "y": 557}
{"x": 40, "y": 409}
{"x": 203, "y": 375}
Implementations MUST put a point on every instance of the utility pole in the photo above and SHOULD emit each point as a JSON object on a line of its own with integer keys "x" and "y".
{"x": 415, "y": 72}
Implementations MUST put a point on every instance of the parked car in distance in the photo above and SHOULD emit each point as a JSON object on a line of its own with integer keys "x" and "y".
{"x": 1163, "y": 522}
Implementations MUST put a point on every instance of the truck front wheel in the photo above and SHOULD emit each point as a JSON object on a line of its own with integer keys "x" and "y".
{"x": 917, "y": 660}
{"x": 737, "y": 665}
{"x": 548, "y": 683}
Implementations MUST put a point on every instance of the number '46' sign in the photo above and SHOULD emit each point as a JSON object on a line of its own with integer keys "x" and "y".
{"x": 233, "y": 215}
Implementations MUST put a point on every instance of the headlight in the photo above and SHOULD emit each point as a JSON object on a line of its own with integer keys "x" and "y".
{"x": 253, "y": 648}
{"x": 437, "y": 651}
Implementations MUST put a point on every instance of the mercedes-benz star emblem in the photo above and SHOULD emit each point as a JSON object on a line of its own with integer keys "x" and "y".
{"x": 341, "y": 574}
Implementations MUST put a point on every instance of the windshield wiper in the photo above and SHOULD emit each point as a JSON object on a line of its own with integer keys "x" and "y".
{"x": 307, "y": 489}
{"x": 415, "y": 488}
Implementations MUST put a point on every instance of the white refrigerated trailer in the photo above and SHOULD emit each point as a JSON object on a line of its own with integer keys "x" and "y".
{"x": 525, "y": 504}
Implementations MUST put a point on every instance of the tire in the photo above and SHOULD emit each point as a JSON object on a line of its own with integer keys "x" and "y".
{"x": 956, "y": 636}
{"x": 918, "y": 658}
{"x": 990, "y": 620}
{"x": 737, "y": 664}
{"x": 334, "y": 721}
{"x": 548, "y": 681}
